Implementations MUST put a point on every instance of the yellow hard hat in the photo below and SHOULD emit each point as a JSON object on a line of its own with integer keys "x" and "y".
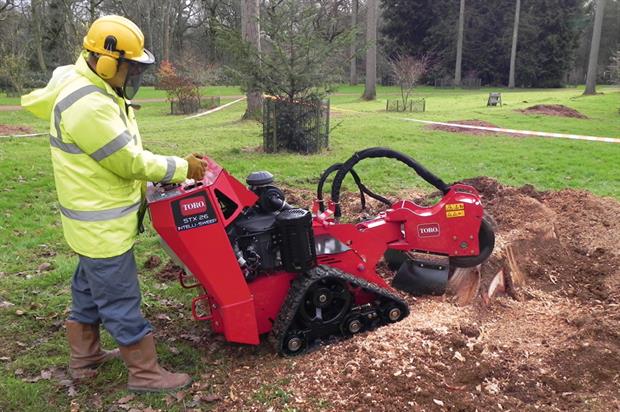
{"x": 118, "y": 38}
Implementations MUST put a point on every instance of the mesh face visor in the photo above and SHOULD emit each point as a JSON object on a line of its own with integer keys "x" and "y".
{"x": 133, "y": 81}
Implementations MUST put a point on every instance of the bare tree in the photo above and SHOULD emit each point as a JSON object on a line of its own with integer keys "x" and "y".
{"x": 166, "y": 17}
{"x": 594, "y": 48}
{"x": 7, "y": 5}
{"x": 459, "y": 45}
{"x": 370, "y": 91}
{"x": 92, "y": 10}
{"x": 37, "y": 35}
{"x": 614, "y": 67}
{"x": 353, "y": 71}
{"x": 408, "y": 71}
{"x": 14, "y": 60}
{"x": 513, "y": 51}
{"x": 250, "y": 32}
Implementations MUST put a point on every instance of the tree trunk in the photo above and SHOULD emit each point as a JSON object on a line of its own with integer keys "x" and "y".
{"x": 38, "y": 41}
{"x": 513, "y": 51}
{"x": 149, "y": 27}
{"x": 370, "y": 91}
{"x": 459, "y": 45}
{"x": 92, "y": 10}
{"x": 353, "y": 73}
{"x": 250, "y": 32}
{"x": 594, "y": 48}
{"x": 166, "y": 30}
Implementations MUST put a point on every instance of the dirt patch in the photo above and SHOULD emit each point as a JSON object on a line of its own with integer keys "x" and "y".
{"x": 5, "y": 108}
{"x": 475, "y": 132}
{"x": 170, "y": 272}
{"x": 553, "y": 110}
{"x": 7, "y": 130}
{"x": 152, "y": 262}
{"x": 557, "y": 348}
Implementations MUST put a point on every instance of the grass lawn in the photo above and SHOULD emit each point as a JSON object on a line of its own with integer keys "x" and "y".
{"x": 31, "y": 337}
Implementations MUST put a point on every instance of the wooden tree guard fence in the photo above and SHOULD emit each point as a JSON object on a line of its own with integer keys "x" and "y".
{"x": 412, "y": 105}
{"x": 300, "y": 126}
{"x": 467, "y": 83}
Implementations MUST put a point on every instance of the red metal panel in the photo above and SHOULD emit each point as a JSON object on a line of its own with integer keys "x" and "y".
{"x": 201, "y": 243}
{"x": 449, "y": 227}
{"x": 367, "y": 242}
{"x": 269, "y": 293}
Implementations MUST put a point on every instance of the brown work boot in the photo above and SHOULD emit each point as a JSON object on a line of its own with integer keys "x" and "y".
{"x": 145, "y": 374}
{"x": 86, "y": 352}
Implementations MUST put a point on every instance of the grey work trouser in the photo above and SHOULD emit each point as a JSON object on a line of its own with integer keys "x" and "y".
{"x": 107, "y": 291}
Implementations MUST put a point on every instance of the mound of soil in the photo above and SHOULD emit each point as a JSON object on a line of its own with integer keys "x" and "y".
{"x": 565, "y": 241}
{"x": 6, "y": 129}
{"x": 556, "y": 347}
{"x": 475, "y": 132}
{"x": 553, "y": 110}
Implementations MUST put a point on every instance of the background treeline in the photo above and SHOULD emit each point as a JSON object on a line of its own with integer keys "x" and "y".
{"x": 553, "y": 43}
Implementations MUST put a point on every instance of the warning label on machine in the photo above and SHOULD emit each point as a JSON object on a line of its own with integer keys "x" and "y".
{"x": 455, "y": 210}
{"x": 193, "y": 212}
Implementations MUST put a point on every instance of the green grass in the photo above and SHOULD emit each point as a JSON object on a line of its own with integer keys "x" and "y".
{"x": 30, "y": 232}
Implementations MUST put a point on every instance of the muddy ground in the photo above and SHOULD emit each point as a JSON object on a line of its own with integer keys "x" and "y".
{"x": 553, "y": 346}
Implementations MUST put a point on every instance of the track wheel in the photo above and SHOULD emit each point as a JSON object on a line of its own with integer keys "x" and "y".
{"x": 293, "y": 344}
{"x": 352, "y": 325}
{"x": 326, "y": 302}
{"x": 392, "y": 313}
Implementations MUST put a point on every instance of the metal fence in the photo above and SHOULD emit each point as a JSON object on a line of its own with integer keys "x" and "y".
{"x": 469, "y": 83}
{"x": 444, "y": 83}
{"x": 297, "y": 126}
{"x": 412, "y": 105}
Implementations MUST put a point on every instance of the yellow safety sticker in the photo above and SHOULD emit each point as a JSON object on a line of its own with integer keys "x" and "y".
{"x": 455, "y": 206}
{"x": 455, "y": 210}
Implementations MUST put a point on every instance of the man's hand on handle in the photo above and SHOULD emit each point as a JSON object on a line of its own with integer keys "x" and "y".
{"x": 196, "y": 166}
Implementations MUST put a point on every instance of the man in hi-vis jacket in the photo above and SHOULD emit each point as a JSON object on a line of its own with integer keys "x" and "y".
{"x": 100, "y": 168}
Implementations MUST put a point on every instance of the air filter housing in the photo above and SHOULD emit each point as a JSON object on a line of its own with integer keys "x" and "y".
{"x": 298, "y": 252}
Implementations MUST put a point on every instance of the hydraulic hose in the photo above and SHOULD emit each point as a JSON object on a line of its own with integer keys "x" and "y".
{"x": 380, "y": 152}
{"x": 362, "y": 188}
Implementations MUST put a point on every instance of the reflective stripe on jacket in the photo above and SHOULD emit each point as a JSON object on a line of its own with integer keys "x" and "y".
{"x": 98, "y": 160}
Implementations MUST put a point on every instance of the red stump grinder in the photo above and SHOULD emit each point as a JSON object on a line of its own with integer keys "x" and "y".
{"x": 262, "y": 265}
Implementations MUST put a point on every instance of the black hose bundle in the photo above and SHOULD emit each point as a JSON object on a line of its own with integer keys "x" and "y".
{"x": 362, "y": 188}
{"x": 370, "y": 153}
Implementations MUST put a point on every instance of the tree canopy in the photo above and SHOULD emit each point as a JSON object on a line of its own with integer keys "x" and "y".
{"x": 548, "y": 37}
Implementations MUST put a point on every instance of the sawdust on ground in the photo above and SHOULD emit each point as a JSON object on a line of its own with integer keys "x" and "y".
{"x": 555, "y": 348}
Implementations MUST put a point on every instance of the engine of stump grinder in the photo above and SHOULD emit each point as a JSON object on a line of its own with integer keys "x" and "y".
{"x": 264, "y": 266}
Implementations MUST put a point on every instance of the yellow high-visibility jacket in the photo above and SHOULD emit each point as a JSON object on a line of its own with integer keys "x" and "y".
{"x": 98, "y": 160}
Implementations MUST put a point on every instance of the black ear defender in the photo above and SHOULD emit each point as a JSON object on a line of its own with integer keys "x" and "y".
{"x": 107, "y": 66}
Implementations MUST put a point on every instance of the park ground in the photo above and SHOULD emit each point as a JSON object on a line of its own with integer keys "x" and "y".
{"x": 554, "y": 345}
